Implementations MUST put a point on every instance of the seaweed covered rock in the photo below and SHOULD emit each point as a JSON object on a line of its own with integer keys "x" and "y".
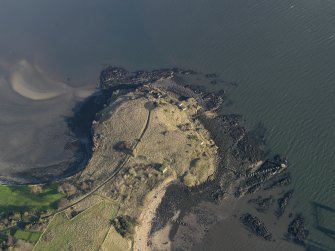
{"x": 116, "y": 75}
{"x": 283, "y": 202}
{"x": 297, "y": 231}
{"x": 256, "y": 226}
{"x": 257, "y": 178}
{"x": 283, "y": 181}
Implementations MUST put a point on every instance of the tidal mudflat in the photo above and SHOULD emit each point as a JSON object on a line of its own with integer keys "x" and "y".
{"x": 37, "y": 144}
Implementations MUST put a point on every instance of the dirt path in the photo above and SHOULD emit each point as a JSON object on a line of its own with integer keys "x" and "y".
{"x": 142, "y": 234}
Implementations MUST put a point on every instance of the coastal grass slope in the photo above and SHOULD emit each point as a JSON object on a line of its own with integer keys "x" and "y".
{"x": 24, "y": 198}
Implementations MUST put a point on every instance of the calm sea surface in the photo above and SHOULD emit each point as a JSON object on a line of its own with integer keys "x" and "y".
{"x": 281, "y": 54}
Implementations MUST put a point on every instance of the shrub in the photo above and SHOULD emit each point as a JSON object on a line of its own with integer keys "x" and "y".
{"x": 124, "y": 225}
{"x": 36, "y": 189}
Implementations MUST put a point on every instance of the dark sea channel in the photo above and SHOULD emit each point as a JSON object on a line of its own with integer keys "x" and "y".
{"x": 274, "y": 59}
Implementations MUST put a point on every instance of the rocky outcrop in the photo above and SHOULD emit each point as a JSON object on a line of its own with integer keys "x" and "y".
{"x": 254, "y": 179}
{"x": 296, "y": 230}
{"x": 116, "y": 76}
{"x": 256, "y": 226}
{"x": 283, "y": 181}
{"x": 283, "y": 202}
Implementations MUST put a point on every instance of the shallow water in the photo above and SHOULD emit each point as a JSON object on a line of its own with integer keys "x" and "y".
{"x": 280, "y": 53}
{"x": 230, "y": 234}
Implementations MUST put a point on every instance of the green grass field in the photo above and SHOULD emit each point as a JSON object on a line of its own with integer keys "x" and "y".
{"x": 86, "y": 231}
{"x": 20, "y": 198}
{"x": 27, "y": 235}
